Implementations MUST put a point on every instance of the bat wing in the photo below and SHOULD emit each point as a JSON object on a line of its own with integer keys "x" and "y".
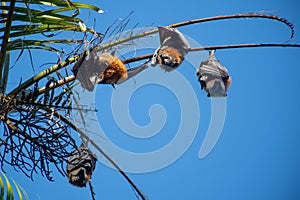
{"x": 83, "y": 157}
{"x": 212, "y": 67}
{"x": 173, "y": 38}
{"x": 80, "y": 166}
{"x": 154, "y": 57}
{"x": 136, "y": 70}
{"x": 89, "y": 69}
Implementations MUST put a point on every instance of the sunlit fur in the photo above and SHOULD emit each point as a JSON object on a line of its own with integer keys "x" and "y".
{"x": 115, "y": 72}
{"x": 169, "y": 58}
{"x": 228, "y": 83}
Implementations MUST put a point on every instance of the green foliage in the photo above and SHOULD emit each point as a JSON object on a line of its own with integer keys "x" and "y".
{"x": 42, "y": 17}
{"x": 26, "y": 116}
{"x": 10, "y": 193}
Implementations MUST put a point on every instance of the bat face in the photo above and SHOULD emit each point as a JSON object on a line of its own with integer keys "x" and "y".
{"x": 174, "y": 46}
{"x": 169, "y": 58}
{"x": 79, "y": 177}
{"x": 213, "y": 77}
{"x": 215, "y": 88}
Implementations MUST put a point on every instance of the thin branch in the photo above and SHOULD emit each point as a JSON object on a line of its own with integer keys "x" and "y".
{"x": 5, "y": 42}
{"x": 232, "y": 46}
{"x": 237, "y": 16}
{"x": 118, "y": 168}
{"x": 235, "y": 46}
{"x": 57, "y": 84}
{"x": 196, "y": 21}
{"x": 92, "y": 190}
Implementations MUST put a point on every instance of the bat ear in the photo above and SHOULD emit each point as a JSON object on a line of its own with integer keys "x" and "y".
{"x": 171, "y": 37}
{"x": 113, "y": 52}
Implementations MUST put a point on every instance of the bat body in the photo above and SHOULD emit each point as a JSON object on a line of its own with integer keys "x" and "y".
{"x": 103, "y": 69}
{"x": 80, "y": 166}
{"x": 173, "y": 47}
{"x": 114, "y": 70}
{"x": 213, "y": 77}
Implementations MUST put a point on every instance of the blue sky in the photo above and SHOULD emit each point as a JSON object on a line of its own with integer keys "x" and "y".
{"x": 257, "y": 154}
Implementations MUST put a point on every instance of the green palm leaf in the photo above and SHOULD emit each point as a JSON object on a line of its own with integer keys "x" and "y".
{"x": 9, "y": 189}
{"x": 40, "y": 17}
{"x": 26, "y": 24}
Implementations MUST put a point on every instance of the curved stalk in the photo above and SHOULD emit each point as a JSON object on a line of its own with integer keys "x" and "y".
{"x": 148, "y": 56}
{"x": 117, "y": 42}
{"x": 202, "y": 20}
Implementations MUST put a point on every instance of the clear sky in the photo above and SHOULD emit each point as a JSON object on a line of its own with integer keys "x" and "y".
{"x": 257, "y": 154}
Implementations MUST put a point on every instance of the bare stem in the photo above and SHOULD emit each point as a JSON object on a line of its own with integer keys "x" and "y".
{"x": 92, "y": 191}
{"x": 58, "y": 83}
{"x": 236, "y": 16}
{"x": 5, "y": 42}
{"x": 202, "y": 20}
{"x": 235, "y": 46}
{"x": 232, "y": 46}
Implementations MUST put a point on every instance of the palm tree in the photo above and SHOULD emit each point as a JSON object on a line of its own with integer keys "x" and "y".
{"x": 37, "y": 133}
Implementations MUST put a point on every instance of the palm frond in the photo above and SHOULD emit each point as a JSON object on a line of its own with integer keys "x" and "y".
{"x": 9, "y": 189}
{"x": 34, "y": 139}
{"x": 39, "y": 17}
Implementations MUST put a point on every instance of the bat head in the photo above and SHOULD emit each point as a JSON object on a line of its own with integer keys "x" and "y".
{"x": 79, "y": 177}
{"x": 215, "y": 88}
{"x": 169, "y": 58}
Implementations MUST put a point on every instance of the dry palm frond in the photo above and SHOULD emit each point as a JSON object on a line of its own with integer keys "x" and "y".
{"x": 33, "y": 137}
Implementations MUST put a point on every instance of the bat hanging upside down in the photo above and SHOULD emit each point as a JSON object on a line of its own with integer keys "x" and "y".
{"x": 173, "y": 47}
{"x": 80, "y": 166}
{"x": 103, "y": 69}
{"x": 213, "y": 77}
